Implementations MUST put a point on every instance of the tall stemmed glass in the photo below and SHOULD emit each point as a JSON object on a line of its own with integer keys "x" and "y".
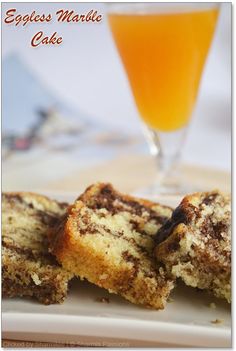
{"x": 163, "y": 47}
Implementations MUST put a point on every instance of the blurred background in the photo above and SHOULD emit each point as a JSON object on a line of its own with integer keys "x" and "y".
{"x": 69, "y": 117}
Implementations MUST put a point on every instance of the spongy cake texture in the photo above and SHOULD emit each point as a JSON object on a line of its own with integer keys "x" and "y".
{"x": 27, "y": 267}
{"x": 107, "y": 238}
{"x": 195, "y": 244}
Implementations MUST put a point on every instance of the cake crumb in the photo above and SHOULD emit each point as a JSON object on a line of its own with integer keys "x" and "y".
{"x": 217, "y": 321}
{"x": 36, "y": 279}
{"x": 212, "y": 305}
{"x": 103, "y": 276}
{"x": 103, "y": 299}
{"x": 169, "y": 300}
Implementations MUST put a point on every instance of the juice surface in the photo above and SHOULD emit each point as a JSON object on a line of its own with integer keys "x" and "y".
{"x": 164, "y": 55}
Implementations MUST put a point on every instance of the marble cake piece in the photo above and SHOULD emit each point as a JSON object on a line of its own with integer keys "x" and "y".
{"x": 108, "y": 238}
{"x": 195, "y": 244}
{"x": 27, "y": 267}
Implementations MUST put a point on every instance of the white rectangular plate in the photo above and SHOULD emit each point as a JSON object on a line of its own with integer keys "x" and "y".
{"x": 81, "y": 319}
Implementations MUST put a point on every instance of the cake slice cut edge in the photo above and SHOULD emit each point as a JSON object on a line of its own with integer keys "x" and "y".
{"x": 28, "y": 269}
{"x": 108, "y": 238}
{"x": 195, "y": 244}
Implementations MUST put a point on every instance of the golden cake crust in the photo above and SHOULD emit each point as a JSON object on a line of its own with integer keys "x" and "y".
{"x": 195, "y": 244}
{"x": 107, "y": 238}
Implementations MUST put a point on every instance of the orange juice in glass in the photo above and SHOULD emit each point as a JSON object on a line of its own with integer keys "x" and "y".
{"x": 163, "y": 48}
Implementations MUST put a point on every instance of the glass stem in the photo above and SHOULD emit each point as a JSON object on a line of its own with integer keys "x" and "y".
{"x": 166, "y": 147}
{"x": 168, "y": 170}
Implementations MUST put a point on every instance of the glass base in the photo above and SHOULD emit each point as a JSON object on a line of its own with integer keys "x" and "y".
{"x": 175, "y": 183}
{"x": 168, "y": 189}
